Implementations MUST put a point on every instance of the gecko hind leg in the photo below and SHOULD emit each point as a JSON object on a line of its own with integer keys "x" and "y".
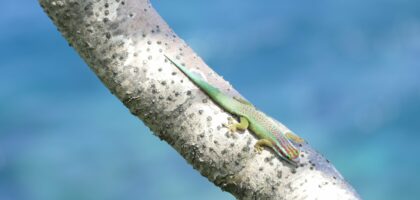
{"x": 259, "y": 146}
{"x": 233, "y": 127}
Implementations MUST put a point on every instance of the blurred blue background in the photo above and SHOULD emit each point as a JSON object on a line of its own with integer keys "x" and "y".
{"x": 342, "y": 74}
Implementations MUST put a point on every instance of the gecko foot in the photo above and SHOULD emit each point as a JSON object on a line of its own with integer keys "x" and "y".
{"x": 293, "y": 137}
{"x": 242, "y": 125}
{"x": 230, "y": 125}
{"x": 258, "y": 148}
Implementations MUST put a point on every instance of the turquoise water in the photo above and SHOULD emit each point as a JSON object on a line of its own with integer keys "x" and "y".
{"x": 344, "y": 75}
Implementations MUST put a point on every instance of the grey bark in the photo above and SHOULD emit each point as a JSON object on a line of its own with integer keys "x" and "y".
{"x": 123, "y": 42}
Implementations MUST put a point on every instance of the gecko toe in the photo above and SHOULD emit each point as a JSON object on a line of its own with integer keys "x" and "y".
{"x": 258, "y": 149}
{"x": 230, "y": 125}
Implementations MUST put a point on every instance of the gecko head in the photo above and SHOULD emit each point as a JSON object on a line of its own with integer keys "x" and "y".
{"x": 287, "y": 150}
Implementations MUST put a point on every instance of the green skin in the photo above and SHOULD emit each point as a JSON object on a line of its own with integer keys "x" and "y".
{"x": 266, "y": 129}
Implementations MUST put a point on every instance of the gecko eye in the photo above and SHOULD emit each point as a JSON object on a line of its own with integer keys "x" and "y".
{"x": 295, "y": 154}
{"x": 294, "y": 159}
{"x": 287, "y": 150}
{"x": 292, "y": 152}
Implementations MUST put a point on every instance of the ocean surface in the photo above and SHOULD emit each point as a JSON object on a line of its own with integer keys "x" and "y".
{"x": 345, "y": 75}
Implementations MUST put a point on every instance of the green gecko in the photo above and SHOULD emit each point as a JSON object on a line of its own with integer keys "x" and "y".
{"x": 265, "y": 128}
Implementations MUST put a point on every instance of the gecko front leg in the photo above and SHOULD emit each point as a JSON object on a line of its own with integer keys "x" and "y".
{"x": 259, "y": 146}
{"x": 293, "y": 137}
{"x": 233, "y": 127}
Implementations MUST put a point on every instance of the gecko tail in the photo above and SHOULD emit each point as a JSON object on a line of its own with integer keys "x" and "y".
{"x": 210, "y": 90}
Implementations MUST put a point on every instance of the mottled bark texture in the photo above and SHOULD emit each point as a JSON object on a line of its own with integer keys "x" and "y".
{"x": 124, "y": 42}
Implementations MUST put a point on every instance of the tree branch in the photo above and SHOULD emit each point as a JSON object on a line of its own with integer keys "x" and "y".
{"x": 124, "y": 42}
